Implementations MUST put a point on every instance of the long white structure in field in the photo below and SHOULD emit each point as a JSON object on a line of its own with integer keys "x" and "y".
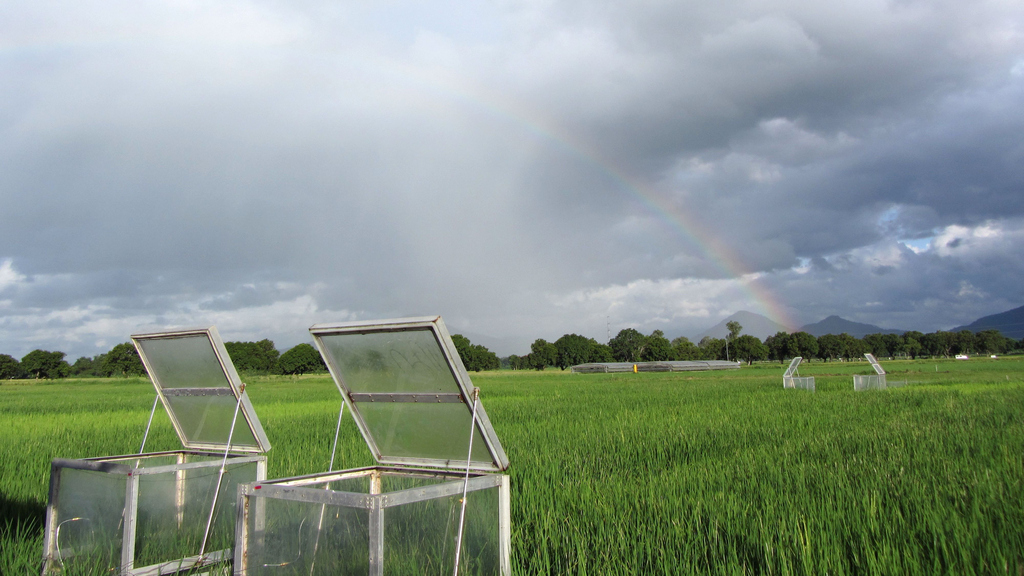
{"x": 666, "y": 366}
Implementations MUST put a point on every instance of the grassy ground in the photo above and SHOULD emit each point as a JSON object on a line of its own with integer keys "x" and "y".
{"x": 715, "y": 472}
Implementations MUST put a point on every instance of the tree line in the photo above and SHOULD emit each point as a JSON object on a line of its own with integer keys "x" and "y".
{"x": 248, "y": 357}
{"x": 123, "y": 360}
{"x": 629, "y": 345}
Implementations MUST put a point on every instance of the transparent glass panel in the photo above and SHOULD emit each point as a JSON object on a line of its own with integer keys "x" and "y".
{"x": 390, "y": 482}
{"x": 175, "y": 506}
{"x": 145, "y": 460}
{"x": 874, "y": 363}
{"x": 415, "y": 430}
{"x": 420, "y": 538}
{"x": 804, "y": 383}
{"x": 184, "y": 362}
{"x": 360, "y": 485}
{"x": 89, "y": 530}
{"x": 395, "y": 361}
{"x": 289, "y": 538}
{"x": 869, "y": 382}
{"x": 207, "y": 420}
{"x": 396, "y": 482}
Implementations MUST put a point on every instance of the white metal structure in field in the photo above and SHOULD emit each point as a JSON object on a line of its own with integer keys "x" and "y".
{"x": 435, "y": 502}
{"x": 148, "y": 514}
{"x": 792, "y": 379}
{"x": 663, "y": 366}
{"x": 874, "y": 381}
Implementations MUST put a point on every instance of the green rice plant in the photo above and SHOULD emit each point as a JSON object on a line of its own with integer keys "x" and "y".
{"x": 21, "y": 545}
{"x": 711, "y": 473}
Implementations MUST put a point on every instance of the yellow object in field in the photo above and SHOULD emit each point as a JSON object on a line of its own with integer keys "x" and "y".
{"x": 634, "y": 369}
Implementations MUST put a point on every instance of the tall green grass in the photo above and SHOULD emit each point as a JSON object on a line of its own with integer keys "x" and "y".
{"x": 729, "y": 473}
{"x": 714, "y": 472}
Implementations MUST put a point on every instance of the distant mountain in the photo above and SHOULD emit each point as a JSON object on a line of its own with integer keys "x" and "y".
{"x": 756, "y": 325}
{"x": 837, "y": 325}
{"x": 1010, "y": 323}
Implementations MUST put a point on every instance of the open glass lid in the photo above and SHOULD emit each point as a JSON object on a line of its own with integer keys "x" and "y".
{"x": 200, "y": 389}
{"x": 409, "y": 393}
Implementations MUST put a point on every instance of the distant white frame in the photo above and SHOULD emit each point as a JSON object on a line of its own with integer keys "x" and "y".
{"x": 792, "y": 378}
{"x": 874, "y": 381}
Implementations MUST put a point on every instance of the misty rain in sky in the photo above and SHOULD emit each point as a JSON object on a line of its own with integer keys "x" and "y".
{"x": 525, "y": 169}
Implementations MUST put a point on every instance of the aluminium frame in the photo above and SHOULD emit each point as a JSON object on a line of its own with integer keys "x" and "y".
{"x": 114, "y": 465}
{"x": 300, "y": 489}
{"x": 459, "y": 374}
{"x": 234, "y": 382}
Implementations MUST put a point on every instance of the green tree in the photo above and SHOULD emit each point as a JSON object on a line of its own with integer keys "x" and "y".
{"x": 628, "y": 345}
{"x": 893, "y": 343}
{"x": 658, "y": 348}
{"x": 600, "y": 352}
{"x": 830, "y": 347}
{"x": 484, "y": 359}
{"x": 877, "y": 345}
{"x": 939, "y": 343}
{"x": 301, "y": 359}
{"x": 778, "y": 346}
{"x": 45, "y": 364}
{"x": 123, "y": 360}
{"x": 85, "y": 366}
{"x": 734, "y": 329}
{"x": 572, "y": 349}
{"x": 749, "y": 348}
{"x": 853, "y": 348}
{"x": 258, "y": 357}
{"x": 475, "y": 357}
{"x": 965, "y": 342}
{"x": 463, "y": 347}
{"x": 542, "y": 354}
{"x": 517, "y": 362}
{"x": 911, "y": 347}
{"x": 992, "y": 342}
{"x": 712, "y": 348}
{"x": 10, "y": 368}
{"x": 803, "y": 344}
{"x": 683, "y": 349}
{"x": 911, "y": 344}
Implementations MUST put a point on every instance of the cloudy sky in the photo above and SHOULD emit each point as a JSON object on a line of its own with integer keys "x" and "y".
{"x": 523, "y": 168}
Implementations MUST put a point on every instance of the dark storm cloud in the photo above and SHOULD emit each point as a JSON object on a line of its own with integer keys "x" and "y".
{"x": 268, "y": 166}
{"x": 890, "y": 285}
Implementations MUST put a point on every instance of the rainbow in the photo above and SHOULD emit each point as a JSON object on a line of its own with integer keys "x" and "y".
{"x": 448, "y": 87}
{"x": 690, "y": 231}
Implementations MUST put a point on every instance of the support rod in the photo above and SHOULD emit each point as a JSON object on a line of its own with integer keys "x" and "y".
{"x": 148, "y": 424}
{"x": 465, "y": 486}
{"x": 323, "y": 507}
{"x": 220, "y": 475}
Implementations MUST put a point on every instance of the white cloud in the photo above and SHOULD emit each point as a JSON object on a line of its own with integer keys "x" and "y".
{"x": 525, "y": 169}
{"x": 9, "y": 276}
{"x": 685, "y": 305}
{"x": 84, "y": 328}
{"x": 967, "y": 241}
{"x": 967, "y": 290}
{"x": 919, "y": 245}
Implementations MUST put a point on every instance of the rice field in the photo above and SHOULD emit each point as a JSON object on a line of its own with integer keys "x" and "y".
{"x": 711, "y": 473}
